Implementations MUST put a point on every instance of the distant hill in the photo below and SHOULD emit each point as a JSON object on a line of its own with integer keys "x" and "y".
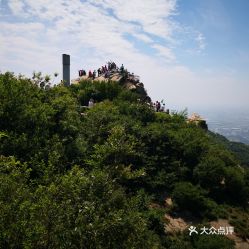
{"x": 241, "y": 150}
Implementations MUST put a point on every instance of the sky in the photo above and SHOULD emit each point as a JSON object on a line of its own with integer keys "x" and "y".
{"x": 190, "y": 53}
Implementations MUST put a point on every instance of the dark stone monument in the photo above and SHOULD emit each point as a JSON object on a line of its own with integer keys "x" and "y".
{"x": 66, "y": 69}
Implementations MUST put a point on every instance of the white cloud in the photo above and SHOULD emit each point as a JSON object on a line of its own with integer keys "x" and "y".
{"x": 16, "y": 6}
{"x": 201, "y": 41}
{"x": 143, "y": 37}
{"x": 152, "y": 15}
{"x": 96, "y": 31}
{"x": 31, "y": 29}
{"x": 165, "y": 52}
{"x": 89, "y": 26}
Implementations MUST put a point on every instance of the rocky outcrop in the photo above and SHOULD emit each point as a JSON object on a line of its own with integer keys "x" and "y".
{"x": 125, "y": 78}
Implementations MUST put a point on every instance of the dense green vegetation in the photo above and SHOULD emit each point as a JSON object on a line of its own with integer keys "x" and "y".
{"x": 239, "y": 149}
{"x": 73, "y": 177}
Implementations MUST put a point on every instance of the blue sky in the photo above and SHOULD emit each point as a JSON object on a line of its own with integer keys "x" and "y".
{"x": 225, "y": 27}
{"x": 190, "y": 53}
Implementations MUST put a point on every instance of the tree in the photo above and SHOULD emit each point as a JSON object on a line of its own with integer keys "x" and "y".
{"x": 236, "y": 185}
{"x": 210, "y": 174}
{"x": 189, "y": 197}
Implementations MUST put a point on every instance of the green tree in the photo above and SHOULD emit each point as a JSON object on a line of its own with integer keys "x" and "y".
{"x": 189, "y": 197}
{"x": 210, "y": 174}
{"x": 236, "y": 185}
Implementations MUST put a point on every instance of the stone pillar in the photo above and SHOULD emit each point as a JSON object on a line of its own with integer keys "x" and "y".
{"x": 66, "y": 69}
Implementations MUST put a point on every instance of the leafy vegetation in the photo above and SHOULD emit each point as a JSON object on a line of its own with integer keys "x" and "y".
{"x": 239, "y": 149}
{"x": 76, "y": 177}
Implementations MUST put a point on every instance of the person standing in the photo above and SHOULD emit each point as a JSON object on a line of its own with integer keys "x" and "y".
{"x": 90, "y": 74}
{"x": 91, "y": 103}
{"x": 158, "y": 106}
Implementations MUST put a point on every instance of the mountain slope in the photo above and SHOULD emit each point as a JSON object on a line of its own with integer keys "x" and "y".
{"x": 76, "y": 177}
{"x": 239, "y": 149}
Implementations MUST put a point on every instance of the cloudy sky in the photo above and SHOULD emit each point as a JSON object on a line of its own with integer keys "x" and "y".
{"x": 190, "y": 53}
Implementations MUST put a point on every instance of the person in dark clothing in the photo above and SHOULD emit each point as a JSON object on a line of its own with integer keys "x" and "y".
{"x": 90, "y": 75}
{"x": 122, "y": 68}
{"x": 94, "y": 74}
{"x": 158, "y": 106}
{"x": 99, "y": 72}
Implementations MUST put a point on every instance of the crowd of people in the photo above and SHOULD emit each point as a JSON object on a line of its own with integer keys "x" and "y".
{"x": 159, "y": 106}
{"x": 105, "y": 71}
{"x": 82, "y": 73}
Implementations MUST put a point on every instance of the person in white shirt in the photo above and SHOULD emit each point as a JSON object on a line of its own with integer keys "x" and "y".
{"x": 91, "y": 103}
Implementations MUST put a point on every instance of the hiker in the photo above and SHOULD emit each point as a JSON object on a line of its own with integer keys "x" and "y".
{"x": 154, "y": 106}
{"x": 91, "y": 103}
{"x": 107, "y": 74}
{"x": 90, "y": 75}
{"x": 158, "y": 106}
{"x": 99, "y": 72}
{"x": 163, "y": 108}
{"x": 94, "y": 74}
{"x": 82, "y": 73}
{"x": 122, "y": 68}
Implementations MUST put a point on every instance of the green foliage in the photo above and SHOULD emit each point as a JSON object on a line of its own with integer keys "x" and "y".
{"x": 236, "y": 185}
{"x": 31, "y": 117}
{"x": 73, "y": 177}
{"x": 191, "y": 198}
{"x": 99, "y": 91}
{"x": 210, "y": 174}
{"x": 14, "y": 192}
{"x": 77, "y": 210}
{"x": 118, "y": 155}
{"x": 213, "y": 242}
{"x": 239, "y": 149}
{"x": 184, "y": 241}
{"x": 2, "y": 135}
{"x": 136, "y": 110}
{"x": 239, "y": 219}
{"x": 190, "y": 143}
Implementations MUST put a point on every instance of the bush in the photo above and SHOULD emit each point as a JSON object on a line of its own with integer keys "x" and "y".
{"x": 189, "y": 197}
{"x": 213, "y": 242}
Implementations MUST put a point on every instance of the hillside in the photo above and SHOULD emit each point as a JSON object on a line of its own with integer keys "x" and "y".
{"x": 113, "y": 175}
{"x": 239, "y": 149}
